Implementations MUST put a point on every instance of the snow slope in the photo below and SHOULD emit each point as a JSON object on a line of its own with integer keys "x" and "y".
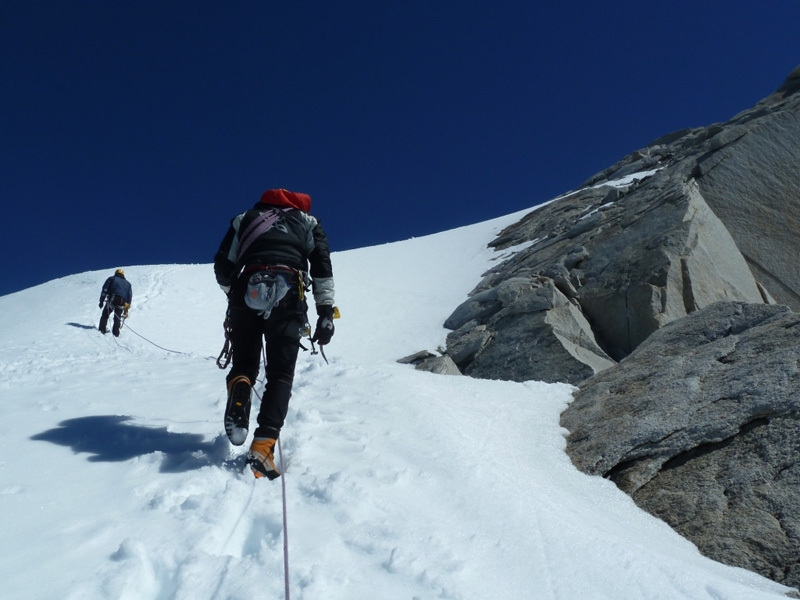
{"x": 117, "y": 482}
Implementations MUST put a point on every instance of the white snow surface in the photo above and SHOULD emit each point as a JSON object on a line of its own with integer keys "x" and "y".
{"x": 117, "y": 481}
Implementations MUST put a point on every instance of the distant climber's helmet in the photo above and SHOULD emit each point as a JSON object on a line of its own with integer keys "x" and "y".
{"x": 119, "y": 272}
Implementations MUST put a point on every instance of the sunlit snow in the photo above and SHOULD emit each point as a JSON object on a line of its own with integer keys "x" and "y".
{"x": 117, "y": 482}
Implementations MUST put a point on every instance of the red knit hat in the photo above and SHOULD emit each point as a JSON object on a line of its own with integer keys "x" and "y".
{"x": 286, "y": 198}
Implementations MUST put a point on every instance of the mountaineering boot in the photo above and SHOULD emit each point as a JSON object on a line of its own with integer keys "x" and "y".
{"x": 237, "y": 411}
{"x": 261, "y": 458}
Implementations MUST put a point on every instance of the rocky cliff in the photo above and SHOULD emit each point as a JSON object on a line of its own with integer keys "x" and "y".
{"x": 664, "y": 289}
{"x": 699, "y": 216}
{"x": 701, "y": 426}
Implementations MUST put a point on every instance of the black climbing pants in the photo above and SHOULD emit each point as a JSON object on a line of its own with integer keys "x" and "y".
{"x": 280, "y": 334}
{"x": 118, "y": 310}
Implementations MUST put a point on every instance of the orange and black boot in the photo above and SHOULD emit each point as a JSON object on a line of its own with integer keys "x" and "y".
{"x": 261, "y": 458}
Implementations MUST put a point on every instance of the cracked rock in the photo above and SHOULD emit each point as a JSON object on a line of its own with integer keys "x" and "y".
{"x": 701, "y": 426}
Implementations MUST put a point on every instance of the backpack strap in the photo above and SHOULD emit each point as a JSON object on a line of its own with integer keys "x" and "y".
{"x": 259, "y": 225}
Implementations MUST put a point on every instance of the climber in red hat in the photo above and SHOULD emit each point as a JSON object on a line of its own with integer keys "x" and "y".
{"x": 265, "y": 263}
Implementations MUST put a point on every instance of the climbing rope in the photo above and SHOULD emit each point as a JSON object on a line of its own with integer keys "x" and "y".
{"x": 116, "y": 341}
{"x": 283, "y": 490}
{"x": 152, "y": 342}
{"x": 285, "y": 529}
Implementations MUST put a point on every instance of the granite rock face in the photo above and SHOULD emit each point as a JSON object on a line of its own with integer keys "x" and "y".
{"x": 665, "y": 288}
{"x": 603, "y": 269}
{"x": 699, "y": 216}
{"x": 749, "y": 175}
{"x": 701, "y": 426}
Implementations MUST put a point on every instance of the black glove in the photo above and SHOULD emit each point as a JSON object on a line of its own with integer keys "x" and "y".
{"x": 324, "y": 331}
{"x": 101, "y": 304}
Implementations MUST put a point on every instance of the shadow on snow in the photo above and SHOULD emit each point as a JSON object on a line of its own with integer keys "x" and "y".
{"x": 111, "y": 438}
{"x": 79, "y": 326}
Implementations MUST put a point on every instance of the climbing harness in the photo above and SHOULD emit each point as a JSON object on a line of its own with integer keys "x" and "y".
{"x": 226, "y": 354}
{"x": 267, "y": 285}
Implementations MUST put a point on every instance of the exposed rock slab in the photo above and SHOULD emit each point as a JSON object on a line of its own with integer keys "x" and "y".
{"x": 698, "y": 216}
{"x": 607, "y": 267}
{"x": 701, "y": 426}
{"x": 523, "y": 320}
{"x": 427, "y": 361}
{"x": 749, "y": 174}
{"x": 670, "y": 262}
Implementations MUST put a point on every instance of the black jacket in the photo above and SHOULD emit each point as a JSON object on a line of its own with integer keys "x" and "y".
{"x": 296, "y": 240}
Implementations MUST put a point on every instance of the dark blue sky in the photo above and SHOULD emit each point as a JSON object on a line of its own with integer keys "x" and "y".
{"x": 133, "y": 131}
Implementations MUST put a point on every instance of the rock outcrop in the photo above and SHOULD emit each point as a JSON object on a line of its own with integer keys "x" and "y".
{"x": 665, "y": 288}
{"x": 605, "y": 267}
{"x": 749, "y": 174}
{"x": 699, "y": 216}
{"x": 701, "y": 426}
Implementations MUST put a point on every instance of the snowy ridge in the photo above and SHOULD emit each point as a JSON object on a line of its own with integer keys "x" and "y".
{"x": 117, "y": 482}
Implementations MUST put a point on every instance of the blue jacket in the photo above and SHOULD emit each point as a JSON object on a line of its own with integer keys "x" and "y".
{"x": 118, "y": 286}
